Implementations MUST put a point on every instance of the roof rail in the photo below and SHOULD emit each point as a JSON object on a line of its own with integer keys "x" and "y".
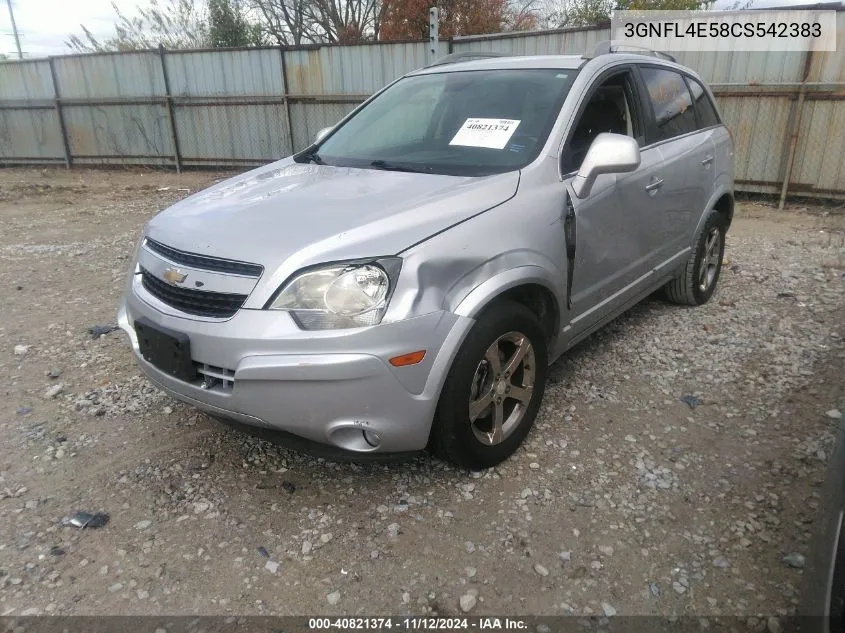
{"x": 615, "y": 46}
{"x": 468, "y": 56}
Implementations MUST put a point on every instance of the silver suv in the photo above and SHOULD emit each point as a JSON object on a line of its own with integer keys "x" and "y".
{"x": 406, "y": 280}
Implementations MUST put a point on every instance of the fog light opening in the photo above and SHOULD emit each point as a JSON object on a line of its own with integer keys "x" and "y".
{"x": 372, "y": 438}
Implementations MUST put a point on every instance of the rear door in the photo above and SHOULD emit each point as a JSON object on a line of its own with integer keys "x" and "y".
{"x": 688, "y": 152}
{"x": 709, "y": 123}
{"x": 708, "y": 126}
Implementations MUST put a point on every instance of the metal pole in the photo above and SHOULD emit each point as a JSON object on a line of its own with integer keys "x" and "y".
{"x": 168, "y": 102}
{"x": 15, "y": 29}
{"x": 60, "y": 115}
{"x": 433, "y": 33}
{"x": 285, "y": 98}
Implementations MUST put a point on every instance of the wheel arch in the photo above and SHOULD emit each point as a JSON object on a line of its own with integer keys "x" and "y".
{"x": 526, "y": 285}
{"x": 452, "y": 436}
{"x": 725, "y": 206}
{"x": 722, "y": 201}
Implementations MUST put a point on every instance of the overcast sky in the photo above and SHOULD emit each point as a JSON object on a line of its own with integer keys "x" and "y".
{"x": 45, "y": 24}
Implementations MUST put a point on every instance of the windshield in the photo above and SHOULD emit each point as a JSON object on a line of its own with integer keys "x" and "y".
{"x": 469, "y": 123}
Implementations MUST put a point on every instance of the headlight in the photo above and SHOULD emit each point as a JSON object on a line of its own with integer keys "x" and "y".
{"x": 339, "y": 296}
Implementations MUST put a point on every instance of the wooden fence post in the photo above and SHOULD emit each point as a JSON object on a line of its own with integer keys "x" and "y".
{"x": 171, "y": 119}
{"x": 57, "y": 104}
{"x": 795, "y": 129}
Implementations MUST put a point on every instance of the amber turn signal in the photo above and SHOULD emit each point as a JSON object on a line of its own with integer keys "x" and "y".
{"x": 408, "y": 359}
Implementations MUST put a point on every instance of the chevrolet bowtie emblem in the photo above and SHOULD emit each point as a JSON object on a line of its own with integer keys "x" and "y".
{"x": 173, "y": 276}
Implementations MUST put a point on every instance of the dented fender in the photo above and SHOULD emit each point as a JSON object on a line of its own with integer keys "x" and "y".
{"x": 487, "y": 291}
{"x": 463, "y": 269}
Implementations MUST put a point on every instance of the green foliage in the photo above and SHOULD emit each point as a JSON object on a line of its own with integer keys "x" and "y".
{"x": 229, "y": 27}
{"x": 169, "y": 23}
{"x": 578, "y": 13}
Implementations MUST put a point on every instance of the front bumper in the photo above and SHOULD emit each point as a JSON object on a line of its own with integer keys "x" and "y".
{"x": 326, "y": 386}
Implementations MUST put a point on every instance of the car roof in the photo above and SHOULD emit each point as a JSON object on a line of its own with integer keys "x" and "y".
{"x": 504, "y": 63}
{"x": 568, "y": 62}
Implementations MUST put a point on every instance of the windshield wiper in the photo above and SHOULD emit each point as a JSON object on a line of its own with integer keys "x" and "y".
{"x": 310, "y": 157}
{"x": 386, "y": 166}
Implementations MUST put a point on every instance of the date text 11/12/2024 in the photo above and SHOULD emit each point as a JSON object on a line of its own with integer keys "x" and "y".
{"x": 416, "y": 624}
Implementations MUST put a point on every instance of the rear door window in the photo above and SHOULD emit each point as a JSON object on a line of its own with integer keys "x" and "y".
{"x": 671, "y": 102}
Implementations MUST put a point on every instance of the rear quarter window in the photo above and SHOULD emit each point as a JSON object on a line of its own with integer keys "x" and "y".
{"x": 705, "y": 111}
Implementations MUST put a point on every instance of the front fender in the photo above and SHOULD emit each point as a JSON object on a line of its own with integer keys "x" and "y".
{"x": 461, "y": 270}
{"x": 483, "y": 294}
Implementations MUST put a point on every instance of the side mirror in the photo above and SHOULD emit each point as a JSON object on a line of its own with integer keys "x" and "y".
{"x": 322, "y": 134}
{"x": 608, "y": 154}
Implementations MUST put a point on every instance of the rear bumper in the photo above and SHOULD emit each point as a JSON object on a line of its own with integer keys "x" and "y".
{"x": 326, "y": 387}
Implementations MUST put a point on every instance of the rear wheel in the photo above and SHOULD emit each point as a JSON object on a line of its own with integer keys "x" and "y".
{"x": 698, "y": 279}
{"x": 493, "y": 390}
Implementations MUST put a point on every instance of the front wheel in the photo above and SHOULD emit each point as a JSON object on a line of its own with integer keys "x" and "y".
{"x": 698, "y": 279}
{"x": 493, "y": 391}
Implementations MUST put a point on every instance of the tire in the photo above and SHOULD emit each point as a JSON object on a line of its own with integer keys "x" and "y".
{"x": 505, "y": 327}
{"x": 700, "y": 275}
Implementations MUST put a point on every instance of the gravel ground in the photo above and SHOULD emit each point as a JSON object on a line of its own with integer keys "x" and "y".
{"x": 624, "y": 500}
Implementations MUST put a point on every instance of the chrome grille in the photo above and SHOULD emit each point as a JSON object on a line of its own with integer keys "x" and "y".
{"x": 190, "y": 301}
{"x": 204, "y": 262}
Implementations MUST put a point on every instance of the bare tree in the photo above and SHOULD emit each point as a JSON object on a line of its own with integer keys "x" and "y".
{"x": 662, "y": 5}
{"x": 522, "y": 15}
{"x": 344, "y": 21}
{"x": 287, "y": 22}
{"x": 295, "y": 22}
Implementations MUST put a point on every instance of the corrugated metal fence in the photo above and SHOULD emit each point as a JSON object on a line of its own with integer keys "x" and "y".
{"x": 250, "y": 106}
{"x": 184, "y": 108}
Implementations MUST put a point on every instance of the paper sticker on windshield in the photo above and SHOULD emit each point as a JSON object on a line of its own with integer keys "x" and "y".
{"x": 492, "y": 133}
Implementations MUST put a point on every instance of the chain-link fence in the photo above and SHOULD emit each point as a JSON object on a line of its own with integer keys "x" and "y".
{"x": 243, "y": 107}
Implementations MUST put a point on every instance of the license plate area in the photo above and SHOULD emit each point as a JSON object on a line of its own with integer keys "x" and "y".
{"x": 166, "y": 350}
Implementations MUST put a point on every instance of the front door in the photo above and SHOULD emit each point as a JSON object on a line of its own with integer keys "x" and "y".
{"x": 614, "y": 223}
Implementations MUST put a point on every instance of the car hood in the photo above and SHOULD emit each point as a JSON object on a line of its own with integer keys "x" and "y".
{"x": 305, "y": 213}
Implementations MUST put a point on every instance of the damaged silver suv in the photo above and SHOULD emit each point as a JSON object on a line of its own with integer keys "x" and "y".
{"x": 406, "y": 280}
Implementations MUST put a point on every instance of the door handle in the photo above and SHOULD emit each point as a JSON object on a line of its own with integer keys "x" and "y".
{"x": 707, "y": 160}
{"x": 653, "y": 186}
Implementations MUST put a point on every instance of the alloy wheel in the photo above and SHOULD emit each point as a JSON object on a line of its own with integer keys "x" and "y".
{"x": 710, "y": 260}
{"x": 501, "y": 388}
